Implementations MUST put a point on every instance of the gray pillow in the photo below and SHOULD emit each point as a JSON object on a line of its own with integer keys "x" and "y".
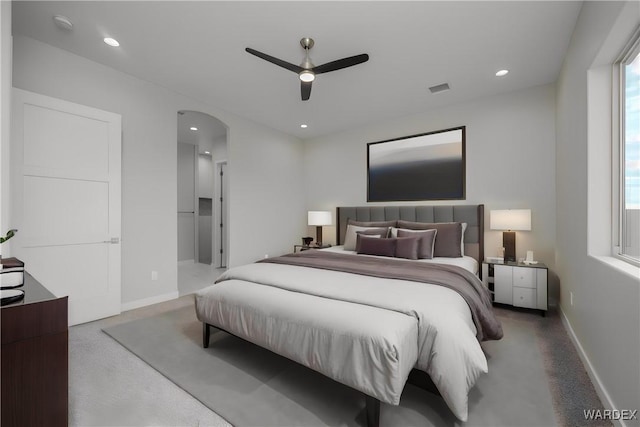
{"x": 407, "y": 247}
{"x": 350, "y": 236}
{"x": 375, "y": 246}
{"x": 426, "y": 241}
{"x": 391, "y": 223}
{"x": 448, "y": 238}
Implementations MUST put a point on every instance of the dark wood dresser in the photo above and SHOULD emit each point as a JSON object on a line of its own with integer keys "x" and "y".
{"x": 34, "y": 359}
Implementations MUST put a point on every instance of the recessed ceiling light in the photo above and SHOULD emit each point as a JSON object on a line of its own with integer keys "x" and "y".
{"x": 303, "y": 126}
{"x": 111, "y": 42}
{"x": 207, "y": 152}
{"x": 502, "y": 73}
{"x": 193, "y": 128}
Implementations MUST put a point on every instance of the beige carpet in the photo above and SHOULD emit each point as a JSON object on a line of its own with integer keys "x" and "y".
{"x": 249, "y": 386}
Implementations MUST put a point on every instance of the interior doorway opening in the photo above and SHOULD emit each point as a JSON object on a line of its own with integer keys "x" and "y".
{"x": 202, "y": 194}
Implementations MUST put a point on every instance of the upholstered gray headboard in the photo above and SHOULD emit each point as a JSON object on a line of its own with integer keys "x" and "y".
{"x": 473, "y": 215}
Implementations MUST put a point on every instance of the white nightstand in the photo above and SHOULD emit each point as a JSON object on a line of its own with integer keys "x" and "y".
{"x": 517, "y": 284}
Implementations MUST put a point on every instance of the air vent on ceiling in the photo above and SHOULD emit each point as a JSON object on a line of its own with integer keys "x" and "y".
{"x": 439, "y": 88}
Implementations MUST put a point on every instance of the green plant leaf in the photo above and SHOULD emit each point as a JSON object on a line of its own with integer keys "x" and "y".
{"x": 9, "y": 235}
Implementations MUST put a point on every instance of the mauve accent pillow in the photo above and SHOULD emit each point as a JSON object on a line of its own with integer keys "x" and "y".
{"x": 368, "y": 233}
{"x": 350, "y": 236}
{"x": 447, "y": 240}
{"x": 407, "y": 247}
{"x": 375, "y": 246}
{"x": 426, "y": 242}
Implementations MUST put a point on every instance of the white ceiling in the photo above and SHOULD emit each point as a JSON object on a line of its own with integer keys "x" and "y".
{"x": 197, "y": 49}
{"x": 209, "y": 130}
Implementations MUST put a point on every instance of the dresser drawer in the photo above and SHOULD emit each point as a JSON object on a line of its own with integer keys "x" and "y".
{"x": 524, "y": 297}
{"x": 524, "y": 277}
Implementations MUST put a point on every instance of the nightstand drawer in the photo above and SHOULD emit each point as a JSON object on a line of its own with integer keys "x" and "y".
{"x": 524, "y": 277}
{"x": 524, "y": 297}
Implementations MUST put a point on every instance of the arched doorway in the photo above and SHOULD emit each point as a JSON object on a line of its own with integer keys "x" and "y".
{"x": 202, "y": 195}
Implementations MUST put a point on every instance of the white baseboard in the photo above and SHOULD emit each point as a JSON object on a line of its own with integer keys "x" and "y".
{"x": 150, "y": 301}
{"x": 186, "y": 262}
{"x": 593, "y": 375}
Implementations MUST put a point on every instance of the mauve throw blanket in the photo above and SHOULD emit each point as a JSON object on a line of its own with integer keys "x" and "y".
{"x": 462, "y": 281}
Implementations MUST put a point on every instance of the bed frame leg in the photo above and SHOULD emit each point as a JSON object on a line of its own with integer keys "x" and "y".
{"x": 206, "y": 333}
{"x": 373, "y": 411}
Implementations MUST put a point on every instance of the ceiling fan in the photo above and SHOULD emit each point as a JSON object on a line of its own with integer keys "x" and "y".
{"x": 307, "y": 71}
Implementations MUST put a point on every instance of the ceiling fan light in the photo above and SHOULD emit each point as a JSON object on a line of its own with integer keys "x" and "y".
{"x": 111, "y": 42}
{"x": 307, "y": 76}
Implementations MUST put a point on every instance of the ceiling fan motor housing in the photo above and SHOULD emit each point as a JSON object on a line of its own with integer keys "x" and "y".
{"x": 307, "y": 42}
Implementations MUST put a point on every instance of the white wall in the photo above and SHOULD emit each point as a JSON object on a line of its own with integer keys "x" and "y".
{"x": 205, "y": 176}
{"x": 205, "y": 224}
{"x": 510, "y": 151}
{"x": 605, "y": 314}
{"x": 186, "y": 202}
{"x": 270, "y": 186}
{"x": 6, "y": 46}
{"x": 266, "y": 193}
{"x": 219, "y": 149}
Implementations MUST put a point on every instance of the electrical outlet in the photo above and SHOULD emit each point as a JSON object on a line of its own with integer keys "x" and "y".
{"x": 571, "y": 298}
{"x": 154, "y": 275}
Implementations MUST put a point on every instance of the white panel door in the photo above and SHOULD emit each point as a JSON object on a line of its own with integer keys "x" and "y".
{"x": 66, "y": 175}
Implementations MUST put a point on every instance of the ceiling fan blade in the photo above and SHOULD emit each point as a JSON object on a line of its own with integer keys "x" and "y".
{"x": 284, "y": 64}
{"x": 341, "y": 63}
{"x": 305, "y": 90}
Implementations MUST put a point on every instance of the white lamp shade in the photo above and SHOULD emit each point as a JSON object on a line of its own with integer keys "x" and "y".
{"x": 510, "y": 219}
{"x": 320, "y": 218}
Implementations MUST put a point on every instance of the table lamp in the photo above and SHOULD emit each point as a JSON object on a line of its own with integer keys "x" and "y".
{"x": 510, "y": 220}
{"x": 319, "y": 218}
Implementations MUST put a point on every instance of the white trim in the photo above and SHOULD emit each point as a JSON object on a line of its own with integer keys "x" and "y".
{"x": 629, "y": 53}
{"x": 622, "y": 266}
{"x": 593, "y": 375}
{"x": 186, "y": 262}
{"x": 150, "y": 301}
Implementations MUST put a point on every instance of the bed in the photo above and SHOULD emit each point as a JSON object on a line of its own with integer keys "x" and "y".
{"x": 366, "y": 317}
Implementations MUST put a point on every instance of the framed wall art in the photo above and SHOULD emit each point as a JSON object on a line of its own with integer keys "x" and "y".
{"x": 429, "y": 166}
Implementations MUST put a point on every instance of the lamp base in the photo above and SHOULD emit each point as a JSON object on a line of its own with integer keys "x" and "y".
{"x": 509, "y": 243}
{"x": 318, "y": 235}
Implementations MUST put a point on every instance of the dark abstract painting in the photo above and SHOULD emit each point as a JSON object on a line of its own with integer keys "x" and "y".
{"x": 428, "y": 166}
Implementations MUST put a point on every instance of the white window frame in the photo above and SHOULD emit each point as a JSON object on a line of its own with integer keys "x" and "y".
{"x": 630, "y": 51}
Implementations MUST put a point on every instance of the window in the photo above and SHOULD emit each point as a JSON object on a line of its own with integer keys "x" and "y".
{"x": 628, "y": 215}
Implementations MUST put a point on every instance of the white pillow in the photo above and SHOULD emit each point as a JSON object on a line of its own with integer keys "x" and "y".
{"x": 464, "y": 228}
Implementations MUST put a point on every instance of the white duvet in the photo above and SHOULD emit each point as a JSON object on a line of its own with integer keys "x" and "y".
{"x": 445, "y": 337}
